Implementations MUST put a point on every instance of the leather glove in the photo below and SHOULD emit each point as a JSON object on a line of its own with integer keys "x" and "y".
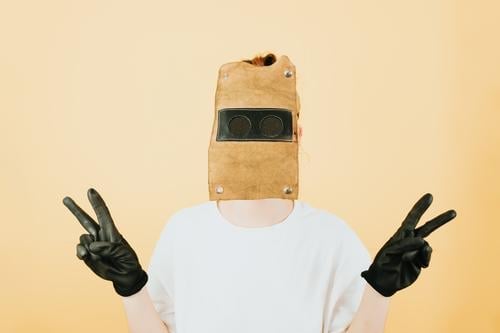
{"x": 104, "y": 249}
{"x": 399, "y": 261}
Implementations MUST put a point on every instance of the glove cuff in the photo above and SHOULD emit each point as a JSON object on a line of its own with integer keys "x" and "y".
{"x": 136, "y": 287}
{"x": 367, "y": 276}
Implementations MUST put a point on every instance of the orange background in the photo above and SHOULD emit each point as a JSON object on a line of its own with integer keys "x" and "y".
{"x": 398, "y": 98}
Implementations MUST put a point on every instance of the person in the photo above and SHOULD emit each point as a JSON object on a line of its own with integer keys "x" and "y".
{"x": 270, "y": 264}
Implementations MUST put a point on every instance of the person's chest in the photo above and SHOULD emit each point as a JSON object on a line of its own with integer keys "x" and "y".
{"x": 265, "y": 282}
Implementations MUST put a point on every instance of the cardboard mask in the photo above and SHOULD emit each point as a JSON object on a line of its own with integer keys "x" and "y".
{"x": 253, "y": 151}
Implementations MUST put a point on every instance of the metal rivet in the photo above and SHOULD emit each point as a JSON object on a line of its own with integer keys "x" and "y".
{"x": 219, "y": 189}
{"x": 288, "y": 73}
{"x": 287, "y": 190}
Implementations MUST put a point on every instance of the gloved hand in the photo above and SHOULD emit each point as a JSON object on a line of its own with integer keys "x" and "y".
{"x": 398, "y": 263}
{"x": 105, "y": 250}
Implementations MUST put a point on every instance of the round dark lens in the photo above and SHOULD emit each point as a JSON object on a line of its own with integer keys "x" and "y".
{"x": 271, "y": 126}
{"x": 239, "y": 126}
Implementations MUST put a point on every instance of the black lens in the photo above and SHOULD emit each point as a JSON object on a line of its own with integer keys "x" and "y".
{"x": 271, "y": 126}
{"x": 239, "y": 126}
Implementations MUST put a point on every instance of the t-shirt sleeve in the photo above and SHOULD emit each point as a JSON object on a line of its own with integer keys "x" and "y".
{"x": 160, "y": 275}
{"x": 349, "y": 286}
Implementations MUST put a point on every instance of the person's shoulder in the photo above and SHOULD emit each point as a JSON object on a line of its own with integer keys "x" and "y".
{"x": 324, "y": 220}
{"x": 336, "y": 232}
{"x": 190, "y": 214}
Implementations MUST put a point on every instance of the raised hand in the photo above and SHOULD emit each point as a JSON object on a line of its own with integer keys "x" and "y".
{"x": 104, "y": 249}
{"x": 398, "y": 263}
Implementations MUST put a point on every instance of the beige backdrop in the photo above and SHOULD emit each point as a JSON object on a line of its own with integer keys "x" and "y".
{"x": 398, "y": 98}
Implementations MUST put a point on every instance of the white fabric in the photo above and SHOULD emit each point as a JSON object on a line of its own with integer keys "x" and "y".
{"x": 301, "y": 275}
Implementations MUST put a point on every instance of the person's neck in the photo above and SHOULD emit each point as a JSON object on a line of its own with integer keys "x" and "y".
{"x": 255, "y": 213}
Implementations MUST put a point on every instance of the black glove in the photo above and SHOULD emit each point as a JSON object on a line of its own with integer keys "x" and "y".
{"x": 105, "y": 250}
{"x": 398, "y": 263}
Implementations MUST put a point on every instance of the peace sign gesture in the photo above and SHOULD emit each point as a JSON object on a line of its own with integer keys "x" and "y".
{"x": 104, "y": 250}
{"x": 399, "y": 261}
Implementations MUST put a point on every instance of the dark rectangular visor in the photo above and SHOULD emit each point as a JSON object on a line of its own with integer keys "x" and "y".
{"x": 255, "y": 124}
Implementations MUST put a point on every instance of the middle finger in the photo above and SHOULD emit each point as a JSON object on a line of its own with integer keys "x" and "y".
{"x": 85, "y": 220}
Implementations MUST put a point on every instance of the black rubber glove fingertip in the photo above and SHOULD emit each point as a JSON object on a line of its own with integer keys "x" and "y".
{"x": 66, "y": 201}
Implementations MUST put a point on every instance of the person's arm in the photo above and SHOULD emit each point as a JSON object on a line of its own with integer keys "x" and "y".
{"x": 109, "y": 255}
{"x": 372, "y": 313}
{"x": 141, "y": 314}
{"x": 396, "y": 266}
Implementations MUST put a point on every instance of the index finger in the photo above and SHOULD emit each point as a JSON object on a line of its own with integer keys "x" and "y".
{"x": 417, "y": 210}
{"x": 85, "y": 220}
{"x": 103, "y": 216}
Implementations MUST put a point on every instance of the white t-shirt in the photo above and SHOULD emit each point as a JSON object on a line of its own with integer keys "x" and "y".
{"x": 301, "y": 275}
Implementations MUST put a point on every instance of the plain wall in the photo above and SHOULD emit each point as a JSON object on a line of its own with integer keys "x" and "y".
{"x": 399, "y": 98}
